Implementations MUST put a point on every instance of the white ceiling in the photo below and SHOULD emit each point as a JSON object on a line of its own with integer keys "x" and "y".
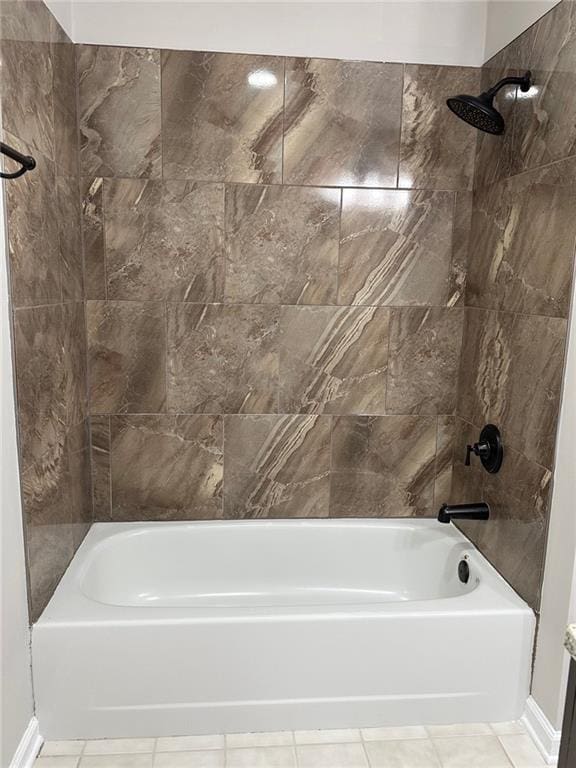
{"x": 461, "y": 32}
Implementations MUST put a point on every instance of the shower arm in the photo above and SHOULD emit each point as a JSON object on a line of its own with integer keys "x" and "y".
{"x": 524, "y": 81}
{"x": 28, "y": 163}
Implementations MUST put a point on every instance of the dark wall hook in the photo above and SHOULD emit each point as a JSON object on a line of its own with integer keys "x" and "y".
{"x": 28, "y": 163}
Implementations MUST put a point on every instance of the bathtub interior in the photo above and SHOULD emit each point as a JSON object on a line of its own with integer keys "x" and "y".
{"x": 239, "y": 564}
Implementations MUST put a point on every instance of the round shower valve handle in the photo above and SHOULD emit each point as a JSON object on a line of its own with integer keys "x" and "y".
{"x": 489, "y": 449}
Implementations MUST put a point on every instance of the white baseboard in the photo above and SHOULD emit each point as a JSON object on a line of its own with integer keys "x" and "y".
{"x": 543, "y": 734}
{"x": 29, "y": 746}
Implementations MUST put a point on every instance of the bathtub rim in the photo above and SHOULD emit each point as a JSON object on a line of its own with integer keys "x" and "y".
{"x": 69, "y": 605}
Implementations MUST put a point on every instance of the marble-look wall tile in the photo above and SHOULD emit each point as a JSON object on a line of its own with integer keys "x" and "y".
{"x": 164, "y": 240}
{"x": 276, "y": 466}
{"x": 333, "y": 359}
{"x": 396, "y": 247}
{"x": 79, "y": 467}
{"x": 514, "y": 540}
{"x": 27, "y": 92}
{"x": 101, "y": 488}
{"x": 423, "y": 360}
{"x": 29, "y": 21}
{"x": 436, "y": 149}
{"x": 460, "y": 247}
{"x": 33, "y": 233}
{"x": 511, "y": 375}
{"x": 91, "y": 192}
{"x": 445, "y": 433}
{"x": 222, "y": 116}
{"x": 467, "y": 481}
{"x": 65, "y": 108}
{"x": 222, "y": 359}
{"x": 545, "y": 117}
{"x": 69, "y": 237}
{"x": 281, "y": 244}
{"x": 50, "y": 549}
{"x": 127, "y": 356}
{"x": 522, "y": 242}
{"x": 119, "y": 105}
{"x": 166, "y": 467}
{"x": 342, "y": 122}
{"x": 383, "y": 466}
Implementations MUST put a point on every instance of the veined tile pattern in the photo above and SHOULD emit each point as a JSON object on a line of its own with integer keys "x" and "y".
{"x": 222, "y": 116}
{"x": 164, "y": 240}
{"x": 127, "y": 356}
{"x": 222, "y": 358}
{"x": 396, "y": 247}
{"x": 166, "y": 467}
{"x": 436, "y": 149}
{"x": 333, "y": 359}
{"x": 119, "y": 102}
{"x": 276, "y": 466}
{"x": 281, "y": 244}
{"x": 383, "y": 466}
{"x": 423, "y": 360}
{"x": 342, "y": 122}
{"x": 523, "y": 236}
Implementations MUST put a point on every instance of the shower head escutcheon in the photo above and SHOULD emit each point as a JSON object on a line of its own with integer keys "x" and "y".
{"x": 480, "y": 111}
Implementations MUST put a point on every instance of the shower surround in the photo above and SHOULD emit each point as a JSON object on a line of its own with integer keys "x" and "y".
{"x": 272, "y": 264}
{"x": 275, "y": 255}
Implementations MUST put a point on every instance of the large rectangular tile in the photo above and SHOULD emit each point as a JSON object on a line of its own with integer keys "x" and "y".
{"x": 544, "y": 118}
{"x": 189, "y": 743}
{"x": 418, "y": 753}
{"x": 127, "y": 356}
{"x": 65, "y": 107}
{"x": 276, "y": 466}
{"x": 436, "y": 149}
{"x": 382, "y": 466}
{"x": 263, "y": 757}
{"x": 118, "y": 746}
{"x": 164, "y": 240}
{"x": 222, "y": 359}
{"x": 222, "y": 116}
{"x": 119, "y": 111}
{"x": 333, "y": 359}
{"x": 340, "y": 736}
{"x": 522, "y": 242}
{"x": 342, "y": 122}
{"x": 332, "y": 756}
{"x": 471, "y": 752}
{"x": 100, "y": 448}
{"x": 33, "y": 233}
{"x": 91, "y": 194}
{"x": 515, "y": 539}
{"x": 511, "y": 375}
{"x": 281, "y": 244}
{"x": 395, "y": 247}
{"x": 423, "y": 360}
{"x": 27, "y": 91}
{"x": 166, "y": 467}
{"x": 69, "y": 237}
{"x": 198, "y": 759}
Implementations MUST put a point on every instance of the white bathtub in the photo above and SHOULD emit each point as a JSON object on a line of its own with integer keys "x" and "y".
{"x": 184, "y": 628}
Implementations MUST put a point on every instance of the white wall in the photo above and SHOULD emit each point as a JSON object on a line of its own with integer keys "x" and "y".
{"x": 506, "y": 19}
{"x": 558, "y": 607}
{"x": 16, "y": 682}
{"x": 462, "y": 32}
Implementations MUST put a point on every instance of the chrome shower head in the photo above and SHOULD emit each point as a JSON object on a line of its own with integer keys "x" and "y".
{"x": 480, "y": 111}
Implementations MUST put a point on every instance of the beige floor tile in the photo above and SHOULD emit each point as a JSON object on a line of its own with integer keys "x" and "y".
{"x": 272, "y": 739}
{"x": 189, "y": 743}
{"x": 50, "y": 748}
{"x": 261, "y": 757}
{"x": 331, "y": 756}
{"x": 347, "y": 736}
{"x": 510, "y": 727}
{"x": 460, "y": 729}
{"x": 60, "y": 761}
{"x": 471, "y": 752}
{"x": 522, "y": 751}
{"x": 213, "y": 758}
{"x": 402, "y": 754}
{"x": 116, "y": 761}
{"x": 118, "y": 746}
{"x": 394, "y": 733}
